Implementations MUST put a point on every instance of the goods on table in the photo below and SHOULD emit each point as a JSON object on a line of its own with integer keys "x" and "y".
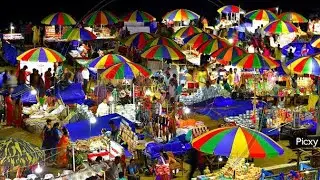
{"x": 35, "y": 125}
{"x": 203, "y": 94}
{"x": 235, "y": 169}
{"x": 243, "y": 119}
{"x": 128, "y": 111}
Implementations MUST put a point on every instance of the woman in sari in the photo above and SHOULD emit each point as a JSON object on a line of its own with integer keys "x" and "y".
{"x": 62, "y": 149}
{"x": 17, "y": 113}
{"x": 9, "y": 110}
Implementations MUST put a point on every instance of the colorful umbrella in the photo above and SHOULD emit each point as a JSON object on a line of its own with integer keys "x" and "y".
{"x": 181, "y": 15}
{"x": 16, "y": 152}
{"x": 212, "y": 45}
{"x": 186, "y": 31}
{"x": 161, "y": 52}
{"x": 229, "y": 9}
{"x": 280, "y": 27}
{"x": 59, "y": 18}
{"x": 293, "y": 17}
{"x": 256, "y": 61}
{"x": 239, "y": 142}
{"x": 305, "y": 65}
{"x": 139, "y": 16}
{"x": 261, "y": 14}
{"x": 125, "y": 71}
{"x": 194, "y": 41}
{"x": 315, "y": 42}
{"x": 107, "y": 61}
{"x": 41, "y": 54}
{"x": 162, "y": 41}
{"x": 229, "y": 54}
{"x": 138, "y": 40}
{"x": 101, "y": 18}
{"x": 76, "y": 34}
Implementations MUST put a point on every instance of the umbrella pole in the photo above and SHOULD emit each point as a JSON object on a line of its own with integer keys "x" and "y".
{"x": 73, "y": 158}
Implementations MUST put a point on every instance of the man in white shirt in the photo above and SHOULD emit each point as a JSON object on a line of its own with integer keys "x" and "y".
{"x": 103, "y": 109}
{"x": 85, "y": 75}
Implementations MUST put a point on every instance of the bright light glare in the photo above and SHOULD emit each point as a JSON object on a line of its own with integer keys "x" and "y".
{"x": 111, "y": 99}
{"x": 148, "y": 92}
{"x": 34, "y": 92}
{"x": 187, "y": 110}
{"x": 230, "y": 41}
{"x": 12, "y": 27}
{"x": 38, "y": 170}
{"x": 93, "y": 120}
{"x": 220, "y": 159}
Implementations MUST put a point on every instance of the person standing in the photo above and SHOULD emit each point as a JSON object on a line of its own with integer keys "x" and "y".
{"x": 78, "y": 77}
{"x": 2, "y": 108}
{"x": 17, "y": 115}
{"x": 12, "y": 80}
{"x": 85, "y": 75}
{"x": 22, "y": 76}
{"x": 132, "y": 171}
{"x": 36, "y": 36}
{"x": 55, "y": 138}
{"x": 114, "y": 131}
{"x": 47, "y": 79}
{"x": 9, "y": 109}
{"x": 62, "y": 149}
{"x": 45, "y": 135}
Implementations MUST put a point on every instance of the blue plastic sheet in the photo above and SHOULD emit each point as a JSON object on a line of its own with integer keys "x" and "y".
{"x": 73, "y": 94}
{"x": 1, "y": 80}
{"x": 10, "y": 53}
{"x": 176, "y": 147}
{"x": 313, "y": 125}
{"x": 81, "y": 129}
{"x": 225, "y": 107}
{"x": 271, "y": 132}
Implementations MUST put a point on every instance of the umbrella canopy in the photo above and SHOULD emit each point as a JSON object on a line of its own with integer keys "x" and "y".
{"x": 162, "y": 41}
{"x": 282, "y": 70}
{"x": 315, "y": 42}
{"x": 161, "y": 52}
{"x": 76, "y": 34}
{"x": 293, "y": 17}
{"x": 229, "y": 54}
{"x": 212, "y": 45}
{"x": 229, "y": 9}
{"x": 139, "y": 16}
{"x": 261, "y": 14}
{"x": 181, "y": 15}
{"x": 256, "y": 61}
{"x": 41, "y": 54}
{"x": 186, "y": 31}
{"x": 16, "y": 152}
{"x": 305, "y": 65}
{"x": 194, "y": 41}
{"x": 59, "y": 18}
{"x": 107, "y": 61}
{"x": 138, "y": 40}
{"x": 239, "y": 142}
{"x": 101, "y": 18}
{"x": 125, "y": 71}
{"x": 280, "y": 27}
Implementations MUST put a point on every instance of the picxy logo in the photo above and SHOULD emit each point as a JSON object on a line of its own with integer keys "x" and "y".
{"x": 306, "y": 142}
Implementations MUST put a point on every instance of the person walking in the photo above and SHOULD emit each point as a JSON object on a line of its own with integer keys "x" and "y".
{"x": 62, "y": 149}
{"x": 47, "y": 79}
{"x": 54, "y": 140}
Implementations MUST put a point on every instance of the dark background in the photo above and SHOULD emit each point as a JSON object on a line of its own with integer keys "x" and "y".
{"x": 35, "y": 10}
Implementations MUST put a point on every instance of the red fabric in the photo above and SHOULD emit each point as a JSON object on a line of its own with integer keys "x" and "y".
{"x": 9, "y": 112}
{"x": 17, "y": 114}
{"x": 47, "y": 80}
{"x": 93, "y": 155}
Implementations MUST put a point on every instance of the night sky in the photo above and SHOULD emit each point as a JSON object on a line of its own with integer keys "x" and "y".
{"x": 35, "y": 10}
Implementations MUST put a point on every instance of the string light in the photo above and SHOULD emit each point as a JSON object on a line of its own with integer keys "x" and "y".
{"x": 33, "y": 92}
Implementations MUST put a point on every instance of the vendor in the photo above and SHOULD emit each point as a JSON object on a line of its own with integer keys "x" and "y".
{"x": 114, "y": 131}
{"x": 103, "y": 109}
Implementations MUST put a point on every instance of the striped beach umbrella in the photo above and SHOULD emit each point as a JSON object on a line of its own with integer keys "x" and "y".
{"x": 212, "y": 45}
{"x": 180, "y": 15}
{"x": 107, "y": 61}
{"x": 125, "y": 71}
{"x": 293, "y": 17}
{"x": 229, "y": 54}
{"x": 280, "y": 27}
{"x": 261, "y": 14}
{"x": 162, "y": 41}
{"x": 139, "y": 16}
{"x": 160, "y": 52}
{"x": 194, "y": 41}
{"x": 138, "y": 40}
{"x": 229, "y": 9}
{"x": 305, "y": 65}
{"x": 101, "y": 18}
{"x": 186, "y": 31}
{"x": 41, "y": 54}
{"x": 59, "y": 18}
{"x": 315, "y": 42}
{"x": 75, "y": 34}
{"x": 237, "y": 142}
{"x": 256, "y": 61}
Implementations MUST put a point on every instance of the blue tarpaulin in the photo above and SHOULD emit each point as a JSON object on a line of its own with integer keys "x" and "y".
{"x": 73, "y": 94}
{"x": 225, "y": 107}
{"x": 297, "y": 47}
{"x": 10, "y": 53}
{"x": 1, "y": 79}
{"x": 81, "y": 129}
